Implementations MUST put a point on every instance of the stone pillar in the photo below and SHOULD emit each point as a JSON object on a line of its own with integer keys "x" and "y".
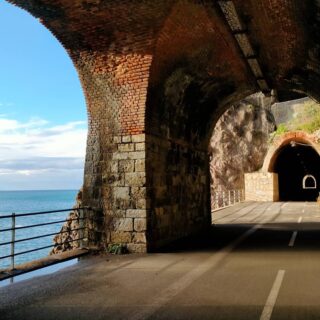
{"x": 178, "y": 192}
{"x": 126, "y": 213}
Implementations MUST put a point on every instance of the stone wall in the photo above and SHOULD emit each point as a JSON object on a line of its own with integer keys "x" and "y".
{"x": 126, "y": 210}
{"x": 178, "y": 190}
{"x": 261, "y": 186}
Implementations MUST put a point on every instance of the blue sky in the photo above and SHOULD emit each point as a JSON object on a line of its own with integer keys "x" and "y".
{"x": 42, "y": 109}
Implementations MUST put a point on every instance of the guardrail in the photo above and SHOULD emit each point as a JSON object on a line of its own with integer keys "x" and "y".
{"x": 223, "y": 199}
{"x": 81, "y": 231}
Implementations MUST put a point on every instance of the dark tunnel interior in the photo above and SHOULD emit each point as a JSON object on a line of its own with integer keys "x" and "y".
{"x": 294, "y": 162}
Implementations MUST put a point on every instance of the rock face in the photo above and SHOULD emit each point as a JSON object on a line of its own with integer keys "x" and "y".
{"x": 240, "y": 142}
{"x": 65, "y": 240}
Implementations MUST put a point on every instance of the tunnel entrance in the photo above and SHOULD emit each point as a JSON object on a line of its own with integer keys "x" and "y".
{"x": 297, "y": 166}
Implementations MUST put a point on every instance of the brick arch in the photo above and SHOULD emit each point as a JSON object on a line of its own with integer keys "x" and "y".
{"x": 112, "y": 55}
{"x": 191, "y": 84}
{"x": 284, "y": 140}
{"x": 204, "y": 57}
{"x": 156, "y": 76}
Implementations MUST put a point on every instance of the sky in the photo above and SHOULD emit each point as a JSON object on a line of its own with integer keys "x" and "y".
{"x": 43, "y": 119}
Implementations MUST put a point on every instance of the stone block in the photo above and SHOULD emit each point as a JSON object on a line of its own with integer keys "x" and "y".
{"x": 116, "y": 213}
{"x": 126, "y": 165}
{"x": 136, "y": 213}
{"x": 141, "y": 204}
{"x": 121, "y": 204}
{"x": 140, "y": 165}
{"x": 135, "y": 179}
{"x": 138, "y": 193}
{"x": 141, "y": 146}
{"x": 126, "y": 147}
{"x": 136, "y": 155}
{"x": 126, "y": 139}
{"x": 121, "y": 192}
{"x": 123, "y": 224}
{"x": 140, "y": 224}
{"x": 139, "y": 237}
{"x": 117, "y": 139}
{"x": 137, "y": 248}
{"x": 121, "y": 237}
{"x": 120, "y": 155}
{"x": 115, "y": 180}
{"x": 138, "y": 138}
{"x": 114, "y": 166}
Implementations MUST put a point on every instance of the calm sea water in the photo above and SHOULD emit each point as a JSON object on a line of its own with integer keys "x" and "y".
{"x": 32, "y": 201}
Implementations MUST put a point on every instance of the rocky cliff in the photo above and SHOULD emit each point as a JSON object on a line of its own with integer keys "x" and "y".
{"x": 240, "y": 142}
{"x": 69, "y": 233}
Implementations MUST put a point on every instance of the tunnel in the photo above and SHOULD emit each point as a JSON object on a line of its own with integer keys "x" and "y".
{"x": 297, "y": 166}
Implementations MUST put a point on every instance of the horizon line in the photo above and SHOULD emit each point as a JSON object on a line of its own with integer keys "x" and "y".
{"x": 39, "y": 190}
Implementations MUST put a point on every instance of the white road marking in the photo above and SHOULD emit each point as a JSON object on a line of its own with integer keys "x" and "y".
{"x": 182, "y": 283}
{"x": 293, "y": 239}
{"x": 300, "y": 219}
{"x": 273, "y": 295}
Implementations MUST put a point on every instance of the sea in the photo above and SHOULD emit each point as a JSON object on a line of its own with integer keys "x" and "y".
{"x": 32, "y": 201}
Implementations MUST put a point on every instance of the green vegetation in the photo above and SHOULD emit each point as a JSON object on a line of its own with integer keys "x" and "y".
{"x": 117, "y": 248}
{"x": 305, "y": 118}
{"x": 310, "y": 120}
{"x": 281, "y": 129}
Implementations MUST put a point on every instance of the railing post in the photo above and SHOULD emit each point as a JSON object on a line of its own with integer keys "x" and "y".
{"x": 223, "y": 199}
{"x": 234, "y": 197}
{"x": 13, "y": 238}
{"x": 216, "y": 199}
{"x": 229, "y": 198}
{"x": 81, "y": 226}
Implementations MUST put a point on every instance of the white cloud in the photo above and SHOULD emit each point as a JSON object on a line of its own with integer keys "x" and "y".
{"x": 36, "y": 149}
{"x": 35, "y": 138}
{"x": 10, "y": 125}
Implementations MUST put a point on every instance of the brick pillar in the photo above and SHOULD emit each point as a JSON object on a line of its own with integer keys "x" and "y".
{"x": 115, "y": 178}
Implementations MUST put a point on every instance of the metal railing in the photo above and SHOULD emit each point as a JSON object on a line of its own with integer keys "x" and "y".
{"x": 223, "y": 199}
{"x": 81, "y": 232}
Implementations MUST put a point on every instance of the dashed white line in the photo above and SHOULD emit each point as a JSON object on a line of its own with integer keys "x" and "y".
{"x": 273, "y": 295}
{"x": 300, "y": 219}
{"x": 293, "y": 239}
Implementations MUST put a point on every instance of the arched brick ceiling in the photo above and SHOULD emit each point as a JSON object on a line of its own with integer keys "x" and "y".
{"x": 285, "y": 33}
{"x": 119, "y": 26}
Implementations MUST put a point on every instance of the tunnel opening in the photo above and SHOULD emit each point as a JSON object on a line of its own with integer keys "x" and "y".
{"x": 297, "y": 166}
{"x": 42, "y": 142}
{"x": 238, "y": 145}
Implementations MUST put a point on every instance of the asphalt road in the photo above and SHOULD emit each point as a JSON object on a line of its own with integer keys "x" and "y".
{"x": 259, "y": 261}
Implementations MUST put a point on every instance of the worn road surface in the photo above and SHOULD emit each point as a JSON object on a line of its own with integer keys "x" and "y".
{"x": 259, "y": 261}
